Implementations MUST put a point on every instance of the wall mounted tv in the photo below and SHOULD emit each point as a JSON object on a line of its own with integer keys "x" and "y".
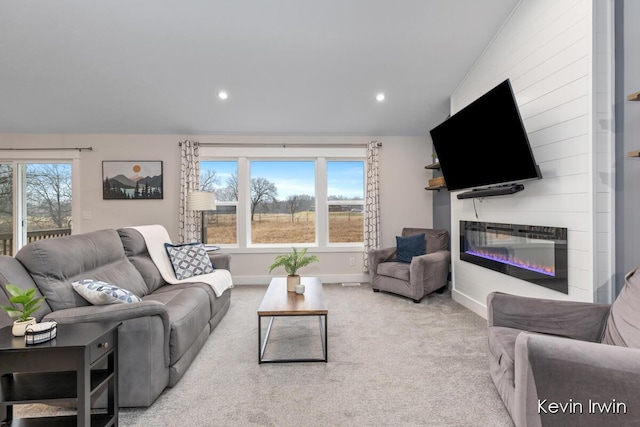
{"x": 485, "y": 143}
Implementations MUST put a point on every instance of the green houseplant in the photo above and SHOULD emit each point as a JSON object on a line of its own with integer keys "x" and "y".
{"x": 291, "y": 263}
{"x": 29, "y": 303}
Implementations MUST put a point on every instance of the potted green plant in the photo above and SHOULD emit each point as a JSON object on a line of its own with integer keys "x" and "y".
{"x": 29, "y": 302}
{"x": 292, "y": 262}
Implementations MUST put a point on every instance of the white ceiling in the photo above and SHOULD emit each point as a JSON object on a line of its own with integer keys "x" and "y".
{"x": 289, "y": 66}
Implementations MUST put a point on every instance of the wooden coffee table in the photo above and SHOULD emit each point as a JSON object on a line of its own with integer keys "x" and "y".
{"x": 278, "y": 302}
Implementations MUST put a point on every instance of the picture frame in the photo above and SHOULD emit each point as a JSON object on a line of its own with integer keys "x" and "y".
{"x": 132, "y": 180}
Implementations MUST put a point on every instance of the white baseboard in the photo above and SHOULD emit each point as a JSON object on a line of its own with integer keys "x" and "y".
{"x": 470, "y": 303}
{"x": 324, "y": 278}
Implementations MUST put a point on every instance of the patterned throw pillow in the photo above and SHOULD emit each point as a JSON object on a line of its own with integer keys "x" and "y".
{"x": 189, "y": 259}
{"x": 101, "y": 293}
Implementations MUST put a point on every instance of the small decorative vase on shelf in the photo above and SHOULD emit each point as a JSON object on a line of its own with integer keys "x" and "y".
{"x": 300, "y": 289}
{"x": 19, "y": 327}
{"x": 292, "y": 282}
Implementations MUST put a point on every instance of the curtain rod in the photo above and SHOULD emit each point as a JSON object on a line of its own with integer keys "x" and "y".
{"x": 47, "y": 149}
{"x": 284, "y": 145}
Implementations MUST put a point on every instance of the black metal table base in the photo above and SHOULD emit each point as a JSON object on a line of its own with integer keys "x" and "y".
{"x": 262, "y": 345}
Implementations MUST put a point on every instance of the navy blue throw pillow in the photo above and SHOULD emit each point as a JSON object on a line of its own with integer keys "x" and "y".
{"x": 410, "y": 246}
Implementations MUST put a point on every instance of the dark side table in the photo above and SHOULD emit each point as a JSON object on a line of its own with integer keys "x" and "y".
{"x": 76, "y": 366}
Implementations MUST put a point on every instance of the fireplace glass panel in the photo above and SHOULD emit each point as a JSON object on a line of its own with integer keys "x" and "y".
{"x": 533, "y": 253}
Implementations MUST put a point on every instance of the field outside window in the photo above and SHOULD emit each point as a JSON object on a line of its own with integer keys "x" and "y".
{"x": 345, "y": 187}
{"x": 282, "y": 202}
{"x": 277, "y": 200}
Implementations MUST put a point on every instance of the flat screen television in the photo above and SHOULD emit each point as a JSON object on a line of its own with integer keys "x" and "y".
{"x": 485, "y": 143}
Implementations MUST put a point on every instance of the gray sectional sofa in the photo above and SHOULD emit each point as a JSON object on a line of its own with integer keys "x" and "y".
{"x": 159, "y": 337}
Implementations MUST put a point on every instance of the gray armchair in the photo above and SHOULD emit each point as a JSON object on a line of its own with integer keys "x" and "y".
{"x": 423, "y": 275}
{"x": 565, "y": 363}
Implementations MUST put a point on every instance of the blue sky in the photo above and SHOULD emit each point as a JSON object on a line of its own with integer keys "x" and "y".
{"x": 346, "y": 178}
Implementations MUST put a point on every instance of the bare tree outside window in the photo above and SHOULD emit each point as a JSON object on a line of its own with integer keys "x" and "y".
{"x": 230, "y": 192}
{"x": 49, "y": 195}
{"x": 263, "y": 191}
{"x": 209, "y": 180}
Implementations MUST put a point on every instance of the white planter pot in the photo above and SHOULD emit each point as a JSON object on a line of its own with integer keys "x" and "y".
{"x": 292, "y": 282}
{"x": 19, "y": 328}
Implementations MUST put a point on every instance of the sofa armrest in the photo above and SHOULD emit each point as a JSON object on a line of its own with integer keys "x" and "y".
{"x": 583, "y": 376}
{"x": 221, "y": 261}
{"x": 376, "y": 256}
{"x": 430, "y": 270}
{"x": 580, "y": 320}
{"x": 110, "y": 312}
{"x": 114, "y": 313}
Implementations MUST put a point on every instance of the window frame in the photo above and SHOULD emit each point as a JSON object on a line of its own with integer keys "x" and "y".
{"x": 320, "y": 155}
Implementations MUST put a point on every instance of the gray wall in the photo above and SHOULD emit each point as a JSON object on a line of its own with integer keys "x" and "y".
{"x": 627, "y": 138}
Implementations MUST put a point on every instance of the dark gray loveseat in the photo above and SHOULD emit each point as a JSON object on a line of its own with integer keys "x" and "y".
{"x": 159, "y": 337}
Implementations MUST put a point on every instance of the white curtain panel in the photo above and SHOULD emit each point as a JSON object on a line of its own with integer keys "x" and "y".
{"x": 372, "y": 203}
{"x": 189, "y": 222}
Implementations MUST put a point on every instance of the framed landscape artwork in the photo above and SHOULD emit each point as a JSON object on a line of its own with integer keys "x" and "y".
{"x": 131, "y": 180}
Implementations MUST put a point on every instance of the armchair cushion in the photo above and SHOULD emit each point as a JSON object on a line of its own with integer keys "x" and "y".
{"x": 399, "y": 270}
{"x": 410, "y": 246}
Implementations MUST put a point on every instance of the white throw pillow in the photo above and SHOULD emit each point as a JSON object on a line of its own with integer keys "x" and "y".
{"x": 101, "y": 293}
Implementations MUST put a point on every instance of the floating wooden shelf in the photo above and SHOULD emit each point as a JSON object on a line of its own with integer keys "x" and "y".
{"x": 435, "y": 187}
{"x": 634, "y": 97}
{"x": 435, "y": 165}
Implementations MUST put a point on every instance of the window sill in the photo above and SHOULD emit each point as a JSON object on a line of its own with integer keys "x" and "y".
{"x": 280, "y": 249}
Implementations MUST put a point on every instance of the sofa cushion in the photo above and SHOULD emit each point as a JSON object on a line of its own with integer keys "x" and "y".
{"x": 189, "y": 260}
{"x": 11, "y": 271}
{"x": 398, "y": 270}
{"x": 623, "y": 324}
{"x": 100, "y": 293}
{"x": 410, "y": 246}
{"x": 55, "y": 263}
{"x": 189, "y": 313}
{"x": 135, "y": 248}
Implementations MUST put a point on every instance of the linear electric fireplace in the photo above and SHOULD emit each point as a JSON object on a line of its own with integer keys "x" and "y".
{"x": 529, "y": 252}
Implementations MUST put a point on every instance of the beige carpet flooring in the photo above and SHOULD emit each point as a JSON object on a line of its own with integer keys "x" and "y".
{"x": 391, "y": 363}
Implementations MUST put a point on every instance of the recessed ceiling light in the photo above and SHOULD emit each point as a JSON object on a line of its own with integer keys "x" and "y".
{"x": 380, "y": 97}
{"x": 223, "y": 95}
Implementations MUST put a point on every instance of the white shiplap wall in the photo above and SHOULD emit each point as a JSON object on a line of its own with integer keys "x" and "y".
{"x": 545, "y": 49}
